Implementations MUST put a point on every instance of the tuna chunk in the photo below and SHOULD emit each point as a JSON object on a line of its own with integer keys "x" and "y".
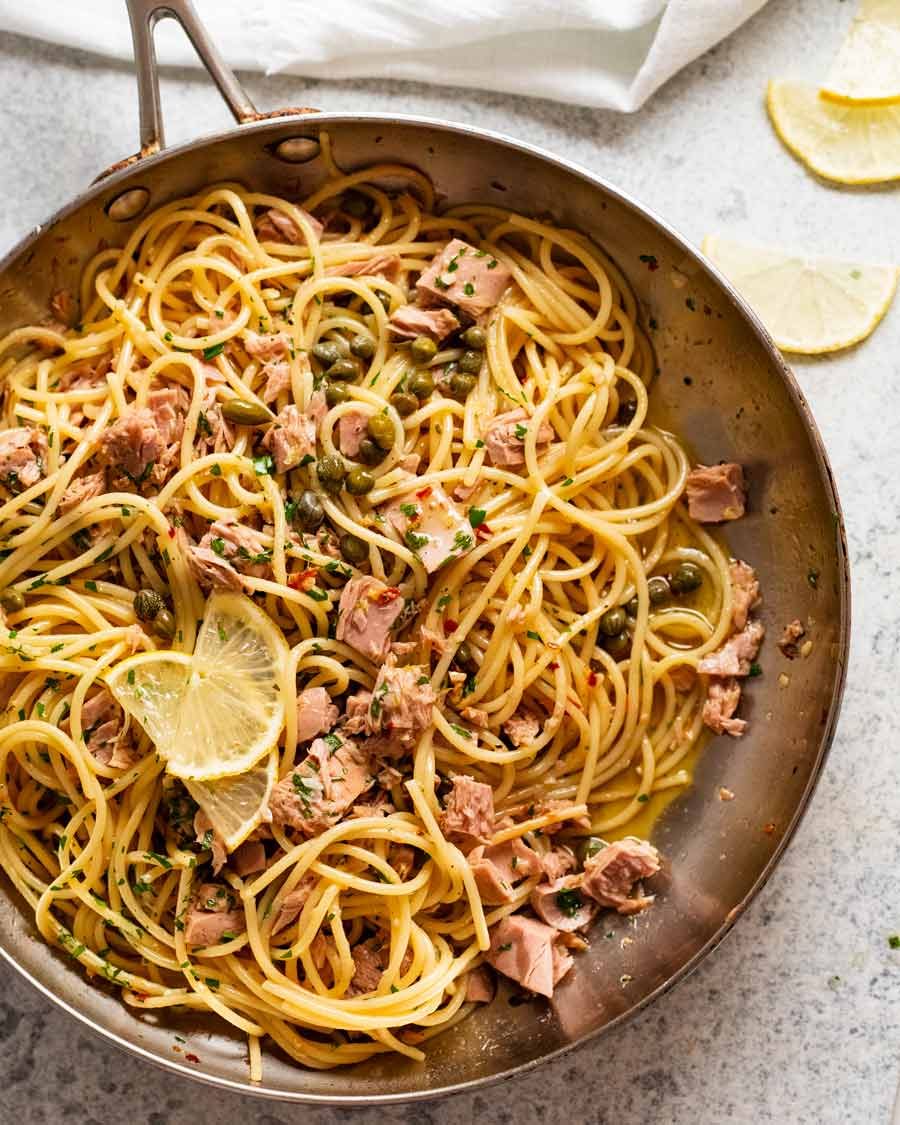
{"x": 468, "y": 816}
{"x": 102, "y": 726}
{"x": 523, "y": 727}
{"x": 788, "y": 642}
{"x": 85, "y": 374}
{"x": 316, "y": 714}
{"x": 291, "y": 438}
{"x": 744, "y": 592}
{"x": 81, "y": 489}
{"x": 528, "y": 951}
{"x": 366, "y": 612}
{"x": 132, "y": 446}
{"x": 368, "y": 969}
{"x": 610, "y": 874}
{"x": 274, "y": 345}
{"x": 505, "y": 438}
{"x": 249, "y": 858}
{"x": 481, "y": 987}
{"x": 316, "y": 794}
{"x": 381, "y": 265}
{"x": 211, "y": 571}
{"x": 721, "y": 703}
{"x": 214, "y": 433}
{"x": 23, "y": 458}
{"x": 410, "y": 321}
{"x": 462, "y": 275}
{"x": 210, "y": 840}
{"x": 356, "y": 713}
{"x": 276, "y": 226}
{"x": 293, "y": 902}
{"x": 278, "y": 379}
{"x": 214, "y": 913}
{"x": 168, "y": 405}
{"x": 239, "y": 545}
{"x": 498, "y": 868}
{"x": 402, "y": 703}
{"x": 716, "y": 493}
{"x": 432, "y": 526}
{"x": 558, "y": 861}
{"x": 562, "y": 905}
{"x": 352, "y": 428}
{"x": 736, "y": 654}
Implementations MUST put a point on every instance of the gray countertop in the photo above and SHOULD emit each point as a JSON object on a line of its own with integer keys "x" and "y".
{"x": 796, "y": 1017}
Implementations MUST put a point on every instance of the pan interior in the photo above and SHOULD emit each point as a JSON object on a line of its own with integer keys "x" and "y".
{"x": 724, "y": 389}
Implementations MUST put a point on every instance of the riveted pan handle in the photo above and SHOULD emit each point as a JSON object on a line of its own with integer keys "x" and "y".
{"x": 144, "y": 16}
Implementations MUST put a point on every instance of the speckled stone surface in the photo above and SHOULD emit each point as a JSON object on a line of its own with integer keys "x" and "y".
{"x": 796, "y": 1018}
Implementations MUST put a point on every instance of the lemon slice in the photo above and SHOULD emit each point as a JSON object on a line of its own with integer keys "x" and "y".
{"x": 850, "y": 144}
{"x": 867, "y": 67}
{"x": 216, "y": 713}
{"x": 237, "y": 805}
{"x": 808, "y": 304}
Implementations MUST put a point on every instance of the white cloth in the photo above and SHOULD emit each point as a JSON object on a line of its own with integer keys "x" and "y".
{"x": 605, "y": 53}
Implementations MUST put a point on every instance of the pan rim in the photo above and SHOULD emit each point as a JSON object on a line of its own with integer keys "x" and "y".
{"x": 315, "y": 121}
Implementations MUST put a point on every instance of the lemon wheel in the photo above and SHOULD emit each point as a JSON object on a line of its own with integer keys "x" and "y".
{"x": 237, "y": 805}
{"x": 809, "y": 304}
{"x": 216, "y": 713}
{"x": 867, "y": 66}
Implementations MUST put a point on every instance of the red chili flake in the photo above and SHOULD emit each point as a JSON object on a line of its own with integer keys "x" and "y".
{"x": 553, "y": 666}
{"x": 191, "y": 1057}
{"x": 303, "y": 579}
{"x": 592, "y": 679}
{"x": 171, "y": 532}
{"x": 387, "y": 596}
{"x": 424, "y": 493}
{"x": 769, "y": 828}
{"x": 141, "y": 996}
{"x": 482, "y": 531}
{"x": 450, "y": 626}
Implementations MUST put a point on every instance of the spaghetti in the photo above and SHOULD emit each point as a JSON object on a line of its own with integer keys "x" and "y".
{"x": 545, "y": 611}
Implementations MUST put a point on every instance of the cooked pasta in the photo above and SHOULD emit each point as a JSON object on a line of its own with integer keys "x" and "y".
{"x": 447, "y": 499}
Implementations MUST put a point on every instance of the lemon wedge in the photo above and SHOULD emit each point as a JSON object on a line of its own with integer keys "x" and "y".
{"x": 849, "y": 144}
{"x": 237, "y": 805}
{"x": 216, "y": 713}
{"x": 867, "y": 66}
{"x": 808, "y": 304}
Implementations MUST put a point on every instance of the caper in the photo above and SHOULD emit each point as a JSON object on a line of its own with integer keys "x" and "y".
{"x": 331, "y": 471}
{"x": 344, "y": 369}
{"x": 420, "y": 384}
{"x": 245, "y": 413}
{"x": 686, "y": 577}
{"x": 460, "y": 386}
{"x": 423, "y": 349}
{"x": 336, "y": 393}
{"x": 631, "y": 607}
{"x": 627, "y": 411}
{"x": 588, "y": 846}
{"x": 147, "y": 604}
{"x": 381, "y": 431}
{"x": 658, "y": 588}
{"x": 359, "y": 482}
{"x": 404, "y": 404}
{"x": 164, "y": 624}
{"x": 310, "y": 512}
{"x": 363, "y": 347}
{"x": 471, "y": 362}
{"x": 355, "y": 203}
{"x": 354, "y": 549}
{"x": 465, "y": 658}
{"x": 11, "y": 601}
{"x": 613, "y": 622}
{"x": 369, "y": 453}
{"x": 385, "y": 298}
{"x": 326, "y": 351}
{"x": 618, "y": 646}
{"x": 475, "y": 338}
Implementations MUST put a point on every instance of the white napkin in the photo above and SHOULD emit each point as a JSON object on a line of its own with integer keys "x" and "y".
{"x": 606, "y": 53}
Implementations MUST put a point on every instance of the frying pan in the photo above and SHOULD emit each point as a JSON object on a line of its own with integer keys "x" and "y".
{"x": 722, "y": 385}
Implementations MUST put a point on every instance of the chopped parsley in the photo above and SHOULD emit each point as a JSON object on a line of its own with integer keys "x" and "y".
{"x": 443, "y": 601}
{"x": 755, "y": 669}
{"x": 332, "y": 742}
{"x": 409, "y": 510}
{"x": 521, "y": 431}
{"x": 476, "y": 516}
{"x": 218, "y": 545}
{"x": 569, "y": 901}
{"x": 894, "y": 941}
{"x": 461, "y": 731}
{"x": 643, "y": 798}
{"x": 505, "y": 947}
{"x": 462, "y": 541}
{"x": 534, "y": 636}
{"x": 317, "y": 595}
{"x": 263, "y": 465}
{"x": 469, "y": 289}
{"x": 415, "y": 541}
{"x": 91, "y": 585}
{"x": 213, "y": 350}
{"x": 216, "y": 471}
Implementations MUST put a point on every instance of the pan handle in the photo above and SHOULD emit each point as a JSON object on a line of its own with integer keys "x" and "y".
{"x": 144, "y": 16}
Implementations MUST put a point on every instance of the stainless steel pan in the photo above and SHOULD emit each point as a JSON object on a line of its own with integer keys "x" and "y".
{"x": 722, "y": 385}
